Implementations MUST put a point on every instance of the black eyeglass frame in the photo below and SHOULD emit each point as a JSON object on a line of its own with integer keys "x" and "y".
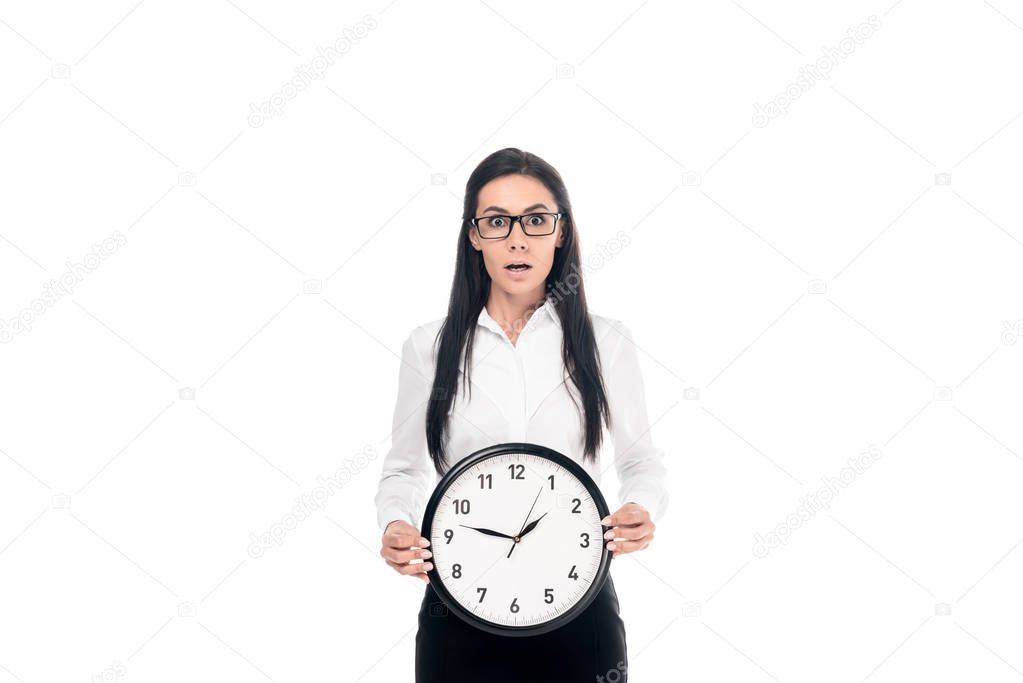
{"x": 511, "y": 223}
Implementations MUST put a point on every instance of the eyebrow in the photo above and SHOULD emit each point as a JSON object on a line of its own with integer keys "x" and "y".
{"x": 505, "y": 211}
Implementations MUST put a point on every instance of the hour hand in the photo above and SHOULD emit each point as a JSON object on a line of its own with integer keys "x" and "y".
{"x": 532, "y": 525}
{"x": 488, "y": 532}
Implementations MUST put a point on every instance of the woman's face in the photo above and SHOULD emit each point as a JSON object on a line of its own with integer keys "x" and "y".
{"x": 514, "y": 195}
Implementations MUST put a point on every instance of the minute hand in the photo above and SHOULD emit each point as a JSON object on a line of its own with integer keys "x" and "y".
{"x": 512, "y": 549}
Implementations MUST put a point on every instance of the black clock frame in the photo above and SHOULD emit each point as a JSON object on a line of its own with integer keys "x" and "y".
{"x": 605, "y": 559}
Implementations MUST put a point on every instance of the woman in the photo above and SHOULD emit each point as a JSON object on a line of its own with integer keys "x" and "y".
{"x": 534, "y": 366}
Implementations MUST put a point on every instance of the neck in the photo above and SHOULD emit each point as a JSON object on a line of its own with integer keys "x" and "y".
{"x": 511, "y": 311}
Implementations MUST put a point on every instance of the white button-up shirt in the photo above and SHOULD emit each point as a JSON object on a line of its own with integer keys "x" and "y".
{"x": 519, "y": 394}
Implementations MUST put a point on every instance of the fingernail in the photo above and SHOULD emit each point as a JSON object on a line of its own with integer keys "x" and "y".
{"x": 610, "y": 546}
{"x": 610, "y": 534}
{"x": 428, "y": 566}
{"x": 606, "y": 520}
{"x": 423, "y": 542}
{"x": 425, "y": 554}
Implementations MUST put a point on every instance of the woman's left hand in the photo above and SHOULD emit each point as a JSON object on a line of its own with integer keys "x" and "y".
{"x": 633, "y": 525}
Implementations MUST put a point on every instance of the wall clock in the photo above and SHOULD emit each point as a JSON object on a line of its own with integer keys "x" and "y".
{"x": 518, "y": 545}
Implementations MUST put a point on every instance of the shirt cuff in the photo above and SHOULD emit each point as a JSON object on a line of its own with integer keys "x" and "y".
{"x": 388, "y": 515}
{"x": 650, "y": 500}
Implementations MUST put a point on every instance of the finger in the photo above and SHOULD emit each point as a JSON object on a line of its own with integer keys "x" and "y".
{"x": 405, "y": 556}
{"x": 411, "y": 568}
{"x": 625, "y": 516}
{"x": 421, "y": 576}
{"x": 396, "y": 539}
{"x": 643, "y": 520}
{"x": 625, "y": 547}
{"x": 400, "y": 568}
{"x": 620, "y": 543}
{"x": 629, "y": 533}
{"x": 399, "y": 539}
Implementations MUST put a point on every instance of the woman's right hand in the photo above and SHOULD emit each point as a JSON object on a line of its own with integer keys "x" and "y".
{"x": 401, "y": 543}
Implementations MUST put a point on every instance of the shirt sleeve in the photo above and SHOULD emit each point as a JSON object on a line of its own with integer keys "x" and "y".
{"x": 638, "y": 462}
{"x": 408, "y": 473}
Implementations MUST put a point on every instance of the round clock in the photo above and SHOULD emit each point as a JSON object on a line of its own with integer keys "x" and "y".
{"x": 518, "y": 545}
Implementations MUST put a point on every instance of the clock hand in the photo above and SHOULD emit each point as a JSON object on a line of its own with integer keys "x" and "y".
{"x": 488, "y": 532}
{"x": 517, "y": 536}
{"x": 532, "y": 525}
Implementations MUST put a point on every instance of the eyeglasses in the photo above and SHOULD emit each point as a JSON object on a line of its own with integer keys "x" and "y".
{"x": 533, "y": 224}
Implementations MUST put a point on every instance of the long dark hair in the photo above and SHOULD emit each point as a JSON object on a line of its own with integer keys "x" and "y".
{"x": 470, "y": 289}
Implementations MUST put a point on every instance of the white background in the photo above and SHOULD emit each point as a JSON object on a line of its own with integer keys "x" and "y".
{"x": 800, "y": 292}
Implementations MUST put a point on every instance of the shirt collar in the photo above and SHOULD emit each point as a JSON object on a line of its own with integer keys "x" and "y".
{"x": 544, "y": 314}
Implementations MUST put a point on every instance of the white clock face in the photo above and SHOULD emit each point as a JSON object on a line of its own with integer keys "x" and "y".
{"x": 557, "y": 554}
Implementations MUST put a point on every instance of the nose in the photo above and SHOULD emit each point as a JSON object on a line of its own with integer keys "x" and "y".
{"x": 517, "y": 238}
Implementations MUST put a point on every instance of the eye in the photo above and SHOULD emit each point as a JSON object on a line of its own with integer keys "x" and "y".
{"x": 496, "y": 222}
{"x": 536, "y": 219}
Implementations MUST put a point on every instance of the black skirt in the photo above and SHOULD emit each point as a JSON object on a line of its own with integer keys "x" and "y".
{"x": 588, "y": 649}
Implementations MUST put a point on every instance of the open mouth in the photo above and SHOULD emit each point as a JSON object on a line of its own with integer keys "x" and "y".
{"x": 518, "y": 266}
